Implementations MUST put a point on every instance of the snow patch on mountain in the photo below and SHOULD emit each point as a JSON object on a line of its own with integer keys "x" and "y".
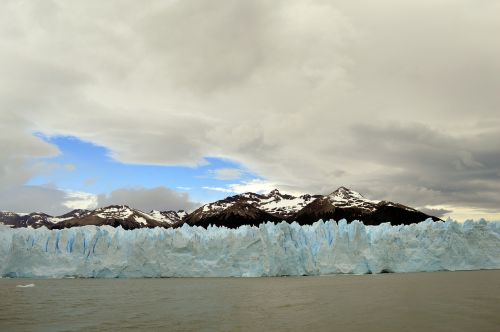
{"x": 285, "y": 205}
{"x": 119, "y": 212}
{"x": 168, "y": 217}
{"x": 56, "y": 220}
{"x": 140, "y": 220}
{"x": 344, "y": 197}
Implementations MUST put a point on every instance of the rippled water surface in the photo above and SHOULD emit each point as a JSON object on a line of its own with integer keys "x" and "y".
{"x": 443, "y": 301}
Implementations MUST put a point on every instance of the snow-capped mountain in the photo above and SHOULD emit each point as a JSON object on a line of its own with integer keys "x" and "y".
{"x": 343, "y": 203}
{"x": 122, "y": 215}
{"x": 344, "y": 197}
{"x": 249, "y": 209}
{"x": 234, "y": 211}
{"x": 168, "y": 217}
{"x": 75, "y": 214}
{"x": 114, "y": 215}
{"x": 275, "y": 203}
{"x": 284, "y": 205}
{"x": 34, "y": 219}
{"x": 347, "y": 204}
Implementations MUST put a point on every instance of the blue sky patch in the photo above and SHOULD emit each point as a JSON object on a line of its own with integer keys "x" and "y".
{"x": 89, "y": 168}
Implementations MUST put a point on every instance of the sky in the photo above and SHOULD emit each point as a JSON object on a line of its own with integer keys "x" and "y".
{"x": 170, "y": 104}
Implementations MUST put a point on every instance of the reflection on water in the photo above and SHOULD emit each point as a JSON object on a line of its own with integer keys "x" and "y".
{"x": 444, "y": 301}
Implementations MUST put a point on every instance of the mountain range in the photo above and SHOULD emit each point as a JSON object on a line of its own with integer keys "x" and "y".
{"x": 234, "y": 211}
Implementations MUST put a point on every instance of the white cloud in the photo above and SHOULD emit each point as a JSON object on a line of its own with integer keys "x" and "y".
{"x": 147, "y": 199}
{"x": 18, "y": 150}
{"x": 184, "y": 188}
{"x": 226, "y": 173}
{"x": 254, "y": 185}
{"x": 308, "y": 94}
{"x": 220, "y": 189}
{"x": 80, "y": 200}
{"x": 56, "y": 201}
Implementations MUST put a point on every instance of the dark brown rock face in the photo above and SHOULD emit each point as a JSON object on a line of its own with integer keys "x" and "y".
{"x": 323, "y": 209}
{"x": 234, "y": 216}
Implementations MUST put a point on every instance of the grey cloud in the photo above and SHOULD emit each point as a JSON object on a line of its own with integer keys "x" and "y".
{"x": 147, "y": 199}
{"x": 55, "y": 201}
{"x": 226, "y": 173}
{"x": 293, "y": 90}
{"x": 33, "y": 199}
{"x": 436, "y": 212}
{"x": 17, "y": 150}
{"x": 419, "y": 165}
{"x": 221, "y": 42}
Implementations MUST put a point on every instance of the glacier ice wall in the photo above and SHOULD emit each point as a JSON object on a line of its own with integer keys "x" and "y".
{"x": 267, "y": 250}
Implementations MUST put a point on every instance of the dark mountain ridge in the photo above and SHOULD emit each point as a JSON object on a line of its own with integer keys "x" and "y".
{"x": 234, "y": 211}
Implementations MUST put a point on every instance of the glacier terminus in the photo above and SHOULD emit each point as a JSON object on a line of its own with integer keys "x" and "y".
{"x": 283, "y": 249}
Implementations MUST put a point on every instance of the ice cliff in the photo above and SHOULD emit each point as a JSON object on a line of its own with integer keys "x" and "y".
{"x": 267, "y": 250}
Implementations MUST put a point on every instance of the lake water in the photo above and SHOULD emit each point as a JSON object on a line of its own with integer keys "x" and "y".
{"x": 442, "y": 301}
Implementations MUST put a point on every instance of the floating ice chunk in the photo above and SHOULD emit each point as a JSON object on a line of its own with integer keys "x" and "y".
{"x": 26, "y": 286}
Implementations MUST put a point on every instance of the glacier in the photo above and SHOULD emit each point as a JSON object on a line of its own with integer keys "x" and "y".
{"x": 268, "y": 250}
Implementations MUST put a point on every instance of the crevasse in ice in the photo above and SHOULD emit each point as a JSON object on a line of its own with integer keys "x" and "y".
{"x": 268, "y": 250}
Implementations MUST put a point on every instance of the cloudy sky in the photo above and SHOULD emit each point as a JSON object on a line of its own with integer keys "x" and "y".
{"x": 166, "y": 104}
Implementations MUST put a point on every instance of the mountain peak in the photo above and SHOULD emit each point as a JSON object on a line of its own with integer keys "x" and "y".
{"x": 118, "y": 211}
{"x": 344, "y": 192}
{"x": 114, "y": 207}
{"x": 274, "y": 192}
